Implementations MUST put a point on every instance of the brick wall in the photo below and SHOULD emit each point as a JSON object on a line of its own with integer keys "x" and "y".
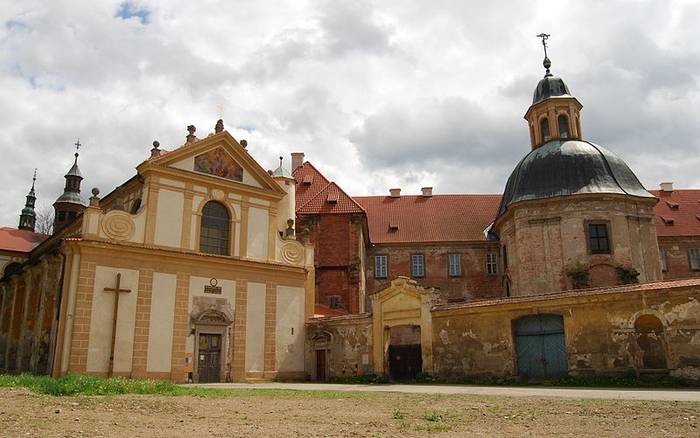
{"x": 474, "y": 282}
{"x": 336, "y": 240}
{"x": 676, "y": 250}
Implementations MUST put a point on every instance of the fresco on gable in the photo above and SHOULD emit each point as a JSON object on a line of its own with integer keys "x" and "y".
{"x": 218, "y": 162}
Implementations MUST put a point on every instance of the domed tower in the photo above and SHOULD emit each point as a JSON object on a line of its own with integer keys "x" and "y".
{"x": 27, "y": 219}
{"x": 69, "y": 205}
{"x": 573, "y": 215}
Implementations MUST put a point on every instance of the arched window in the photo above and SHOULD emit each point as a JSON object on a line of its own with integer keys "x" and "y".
{"x": 12, "y": 268}
{"x": 214, "y": 232}
{"x": 563, "y": 123}
{"x": 544, "y": 129}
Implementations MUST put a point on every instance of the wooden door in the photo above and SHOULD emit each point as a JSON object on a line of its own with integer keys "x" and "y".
{"x": 321, "y": 365}
{"x": 540, "y": 347}
{"x": 209, "y": 365}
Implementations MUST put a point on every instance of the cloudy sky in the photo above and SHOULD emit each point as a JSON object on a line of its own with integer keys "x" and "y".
{"x": 401, "y": 93}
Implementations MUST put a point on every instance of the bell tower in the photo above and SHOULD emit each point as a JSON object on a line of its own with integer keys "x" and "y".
{"x": 69, "y": 205}
{"x": 27, "y": 219}
{"x": 554, "y": 113}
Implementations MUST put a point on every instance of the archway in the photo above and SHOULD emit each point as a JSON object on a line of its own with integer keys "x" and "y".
{"x": 404, "y": 353}
{"x": 540, "y": 347}
{"x": 649, "y": 331}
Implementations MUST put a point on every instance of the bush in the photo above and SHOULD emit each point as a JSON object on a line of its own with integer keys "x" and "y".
{"x": 366, "y": 379}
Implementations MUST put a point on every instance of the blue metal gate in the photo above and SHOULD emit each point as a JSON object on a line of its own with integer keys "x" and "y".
{"x": 540, "y": 347}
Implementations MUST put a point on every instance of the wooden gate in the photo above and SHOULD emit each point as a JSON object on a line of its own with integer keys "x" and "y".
{"x": 209, "y": 365}
{"x": 540, "y": 347}
{"x": 405, "y": 361}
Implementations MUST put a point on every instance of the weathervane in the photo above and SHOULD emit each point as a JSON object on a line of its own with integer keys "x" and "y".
{"x": 546, "y": 63}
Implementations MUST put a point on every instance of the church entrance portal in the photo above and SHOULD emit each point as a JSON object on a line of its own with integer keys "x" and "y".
{"x": 404, "y": 354}
{"x": 209, "y": 357}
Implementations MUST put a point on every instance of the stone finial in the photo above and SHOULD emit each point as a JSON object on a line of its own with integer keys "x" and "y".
{"x": 244, "y": 143}
{"x": 219, "y": 126}
{"x": 95, "y": 199}
{"x": 289, "y": 232}
{"x": 155, "y": 152}
{"x": 191, "y": 137}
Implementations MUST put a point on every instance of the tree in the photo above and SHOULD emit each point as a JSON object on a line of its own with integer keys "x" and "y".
{"x": 44, "y": 221}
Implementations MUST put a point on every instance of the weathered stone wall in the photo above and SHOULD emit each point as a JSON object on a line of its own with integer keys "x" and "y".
{"x": 604, "y": 331}
{"x": 28, "y": 316}
{"x": 474, "y": 281}
{"x": 546, "y": 241}
{"x": 347, "y": 342}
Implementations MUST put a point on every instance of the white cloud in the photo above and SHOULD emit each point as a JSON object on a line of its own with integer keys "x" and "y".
{"x": 377, "y": 93}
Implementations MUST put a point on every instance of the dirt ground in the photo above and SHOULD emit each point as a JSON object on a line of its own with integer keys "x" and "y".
{"x": 23, "y": 413}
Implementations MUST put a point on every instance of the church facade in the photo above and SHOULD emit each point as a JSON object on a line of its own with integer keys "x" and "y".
{"x": 189, "y": 271}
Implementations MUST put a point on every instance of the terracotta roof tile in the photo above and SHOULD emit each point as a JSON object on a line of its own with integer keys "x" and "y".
{"x": 677, "y": 213}
{"x": 331, "y": 200}
{"x": 321, "y": 311}
{"x": 12, "y": 239}
{"x": 439, "y": 218}
{"x": 310, "y": 182}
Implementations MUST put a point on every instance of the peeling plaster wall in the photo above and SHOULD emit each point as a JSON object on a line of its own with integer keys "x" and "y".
{"x": 347, "y": 342}
{"x": 600, "y": 333}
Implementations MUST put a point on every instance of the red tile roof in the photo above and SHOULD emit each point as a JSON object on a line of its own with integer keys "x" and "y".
{"x": 439, "y": 218}
{"x": 12, "y": 239}
{"x": 677, "y": 213}
{"x": 310, "y": 182}
{"x": 331, "y": 200}
{"x": 321, "y": 311}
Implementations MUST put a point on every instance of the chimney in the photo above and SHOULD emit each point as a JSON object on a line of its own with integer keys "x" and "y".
{"x": 395, "y": 193}
{"x": 297, "y": 160}
{"x": 666, "y": 186}
{"x": 426, "y": 192}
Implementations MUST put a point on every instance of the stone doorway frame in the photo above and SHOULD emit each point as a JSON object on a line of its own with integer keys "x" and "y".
{"x": 214, "y": 322}
{"x": 404, "y": 302}
{"x": 321, "y": 342}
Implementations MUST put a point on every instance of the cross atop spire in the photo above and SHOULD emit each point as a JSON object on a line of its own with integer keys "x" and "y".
{"x": 33, "y": 179}
{"x": 546, "y": 62}
{"x": 77, "y": 148}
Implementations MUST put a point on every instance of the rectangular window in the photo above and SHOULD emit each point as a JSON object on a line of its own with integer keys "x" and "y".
{"x": 694, "y": 259}
{"x": 417, "y": 265}
{"x": 454, "y": 262}
{"x": 380, "y": 268}
{"x": 492, "y": 263}
{"x": 664, "y": 261}
{"x": 598, "y": 238}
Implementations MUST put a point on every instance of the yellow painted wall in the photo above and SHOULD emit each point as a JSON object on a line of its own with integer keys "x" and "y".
{"x": 255, "y": 327}
{"x": 99, "y": 343}
{"x": 258, "y": 232}
{"x": 290, "y": 329}
{"x": 168, "y": 227}
{"x": 160, "y": 339}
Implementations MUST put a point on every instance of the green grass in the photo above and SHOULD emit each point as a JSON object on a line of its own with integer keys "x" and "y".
{"x": 74, "y": 384}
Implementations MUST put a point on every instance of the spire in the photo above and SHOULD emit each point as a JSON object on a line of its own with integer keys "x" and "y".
{"x": 69, "y": 204}
{"x": 546, "y": 62}
{"x": 27, "y": 219}
{"x": 281, "y": 171}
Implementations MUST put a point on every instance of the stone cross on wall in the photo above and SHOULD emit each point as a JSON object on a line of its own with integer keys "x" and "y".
{"x": 117, "y": 290}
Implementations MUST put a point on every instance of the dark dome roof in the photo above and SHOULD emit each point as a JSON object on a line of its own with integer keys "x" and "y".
{"x": 561, "y": 168}
{"x": 550, "y": 86}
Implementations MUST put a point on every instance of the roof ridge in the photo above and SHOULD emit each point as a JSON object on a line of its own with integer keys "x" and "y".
{"x": 349, "y": 197}
{"x": 314, "y": 168}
